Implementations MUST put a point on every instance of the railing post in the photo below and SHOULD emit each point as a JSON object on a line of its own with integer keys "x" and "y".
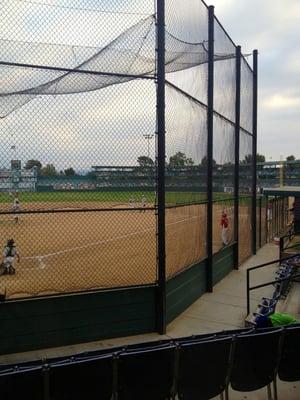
{"x": 267, "y": 219}
{"x": 237, "y": 153}
{"x": 260, "y": 212}
{"x": 160, "y": 115}
{"x": 210, "y": 121}
{"x": 248, "y": 291}
{"x": 254, "y": 150}
{"x": 276, "y": 218}
{"x": 281, "y": 245}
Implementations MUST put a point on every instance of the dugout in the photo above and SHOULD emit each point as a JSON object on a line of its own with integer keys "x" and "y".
{"x": 160, "y": 85}
{"x": 290, "y": 196}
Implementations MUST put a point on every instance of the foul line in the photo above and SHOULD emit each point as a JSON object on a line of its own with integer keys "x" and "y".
{"x": 41, "y": 258}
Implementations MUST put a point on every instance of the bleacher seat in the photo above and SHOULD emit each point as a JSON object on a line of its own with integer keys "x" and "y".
{"x": 289, "y": 366}
{"x": 255, "y": 361}
{"x": 194, "y": 367}
{"x": 234, "y": 332}
{"x": 203, "y": 368}
{"x": 146, "y": 373}
{"x": 196, "y": 338}
{"x": 22, "y": 383}
{"x": 86, "y": 379}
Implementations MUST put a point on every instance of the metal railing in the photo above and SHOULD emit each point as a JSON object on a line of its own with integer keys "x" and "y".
{"x": 285, "y": 240}
{"x": 248, "y": 288}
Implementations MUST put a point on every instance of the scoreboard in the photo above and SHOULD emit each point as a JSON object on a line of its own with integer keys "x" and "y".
{"x": 16, "y": 179}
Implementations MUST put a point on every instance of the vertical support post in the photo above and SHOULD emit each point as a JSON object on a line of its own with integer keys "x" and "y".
{"x": 237, "y": 153}
{"x": 248, "y": 290}
{"x": 210, "y": 130}
{"x": 276, "y": 216}
{"x": 160, "y": 115}
{"x": 254, "y": 150}
{"x": 281, "y": 245}
{"x": 267, "y": 226}
{"x": 260, "y": 216}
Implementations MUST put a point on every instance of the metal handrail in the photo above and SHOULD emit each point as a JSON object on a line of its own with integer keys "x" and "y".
{"x": 248, "y": 288}
{"x": 281, "y": 240}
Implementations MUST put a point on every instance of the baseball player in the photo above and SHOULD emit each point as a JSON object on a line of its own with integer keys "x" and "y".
{"x": 224, "y": 224}
{"x": 131, "y": 202}
{"x": 16, "y": 207}
{"x": 9, "y": 255}
{"x": 144, "y": 202}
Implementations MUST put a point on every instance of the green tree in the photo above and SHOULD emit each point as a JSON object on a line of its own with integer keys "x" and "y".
{"x": 145, "y": 161}
{"x": 33, "y": 163}
{"x": 260, "y": 158}
{"x": 49, "y": 170}
{"x": 69, "y": 171}
{"x": 204, "y": 162}
{"x": 291, "y": 158}
{"x": 248, "y": 159}
{"x": 180, "y": 159}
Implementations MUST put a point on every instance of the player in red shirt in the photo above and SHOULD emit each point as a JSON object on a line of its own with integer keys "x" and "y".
{"x": 224, "y": 224}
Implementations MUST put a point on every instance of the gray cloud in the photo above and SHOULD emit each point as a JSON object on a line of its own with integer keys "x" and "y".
{"x": 51, "y": 133}
{"x": 271, "y": 26}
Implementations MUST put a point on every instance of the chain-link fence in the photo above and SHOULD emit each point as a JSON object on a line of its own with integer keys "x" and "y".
{"x": 80, "y": 166}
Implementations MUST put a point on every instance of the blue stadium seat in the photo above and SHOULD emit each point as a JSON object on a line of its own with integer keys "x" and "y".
{"x": 86, "y": 379}
{"x": 22, "y": 383}
{"x": 203, "y": 368}
{"x": 289, "y": 366}
{"x": 255, "y": 362}
{"x": 146, "y": 374}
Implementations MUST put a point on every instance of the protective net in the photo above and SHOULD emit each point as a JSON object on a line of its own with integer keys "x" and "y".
{"x": 223, "y": 183}
{"x": 186, "y": 142}
{"x": 245, "y": 203}
{"x": 77, "y": 69}
{"x": 78, "y": 129}
{"x": 223, "y": 140}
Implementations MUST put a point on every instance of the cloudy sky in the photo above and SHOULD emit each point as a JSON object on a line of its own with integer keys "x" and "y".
{"x": 272, "y": 27}
{"x": 40, "y": 128}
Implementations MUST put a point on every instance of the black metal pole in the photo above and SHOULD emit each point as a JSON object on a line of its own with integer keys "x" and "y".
{"x": 237, "y": 153}
{"x": 210, "y": 128}
{"x": 276, "y": 216}
{"x": 260, "y": 216}
{"x": 160, "y": 115}
{"x": 267, "y": 219}
{"x": 254, "y": 150}
{"x": 248, "y": 291}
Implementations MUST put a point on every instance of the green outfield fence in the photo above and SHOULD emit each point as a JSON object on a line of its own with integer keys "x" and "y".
{"x": 125, "y": 141}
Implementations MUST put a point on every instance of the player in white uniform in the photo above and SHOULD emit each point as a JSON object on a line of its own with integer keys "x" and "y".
{"x": 132, "y": 202}
{"x": 144, "y": 202}
{"x": 9, "y": 255}
{"x": 16, "y": 207}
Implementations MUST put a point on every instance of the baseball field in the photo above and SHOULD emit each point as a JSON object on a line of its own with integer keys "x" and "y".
{"x": 72, "y": 247}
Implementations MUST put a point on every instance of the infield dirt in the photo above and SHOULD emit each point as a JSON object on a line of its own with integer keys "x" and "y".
{"x": 74, "y": 251}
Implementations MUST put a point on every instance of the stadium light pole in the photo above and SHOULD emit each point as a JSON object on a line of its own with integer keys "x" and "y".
{"x": 148, "y": 137}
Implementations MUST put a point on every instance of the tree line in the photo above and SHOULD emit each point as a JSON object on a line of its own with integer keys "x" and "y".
{"x": 48, "y": 169}
{"x": 179, "y": 159}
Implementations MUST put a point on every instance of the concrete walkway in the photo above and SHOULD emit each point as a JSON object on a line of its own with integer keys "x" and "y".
{"x": 223, "y": 309}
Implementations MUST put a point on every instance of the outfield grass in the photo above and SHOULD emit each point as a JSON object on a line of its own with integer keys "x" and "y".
{"x": 119, "y": 197}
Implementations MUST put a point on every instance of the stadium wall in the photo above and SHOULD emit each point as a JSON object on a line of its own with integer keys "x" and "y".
{"x": 65, "y": 320}
{"x": 54, "y": 321}
{"x": 185, "y": 288}
{"x": 223, "y": 263}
